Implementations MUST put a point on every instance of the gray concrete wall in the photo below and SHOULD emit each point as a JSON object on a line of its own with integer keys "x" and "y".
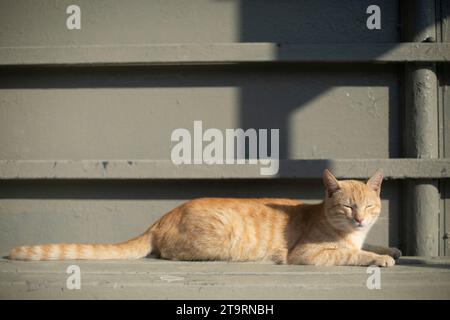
{"x": 130, "y": 113}
{"x": 95, "y": 112}
{"x": 42, "y": 23}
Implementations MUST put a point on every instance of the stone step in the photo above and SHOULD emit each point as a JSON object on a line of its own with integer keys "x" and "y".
{"x": 411, "y": 278}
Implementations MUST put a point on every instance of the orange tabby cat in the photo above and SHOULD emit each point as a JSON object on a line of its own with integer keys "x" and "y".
{"x": 280, "y": 230}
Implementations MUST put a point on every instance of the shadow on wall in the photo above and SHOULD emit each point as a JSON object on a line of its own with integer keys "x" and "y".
{"x": 309, "y": 21}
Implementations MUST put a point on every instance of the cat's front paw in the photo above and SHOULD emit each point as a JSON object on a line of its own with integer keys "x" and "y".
{"x": 395, "y": 253}
{"x": 384, "y": 261}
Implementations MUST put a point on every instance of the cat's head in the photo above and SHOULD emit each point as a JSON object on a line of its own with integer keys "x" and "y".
{"x": 352, "y": 205}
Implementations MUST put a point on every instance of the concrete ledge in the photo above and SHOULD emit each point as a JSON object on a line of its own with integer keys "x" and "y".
{"x": 165, "y": 169}
{"x": 413, "y": 278}
{"x": 222, "y": 53}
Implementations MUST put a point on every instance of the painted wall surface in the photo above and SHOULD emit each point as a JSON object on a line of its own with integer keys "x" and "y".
{"x": 323, "y": 111}
{"x": 130, "y": 113}
{"x": 43, "y": 22}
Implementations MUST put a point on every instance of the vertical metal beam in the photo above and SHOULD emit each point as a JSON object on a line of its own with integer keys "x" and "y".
{"x": 422, "y": 195}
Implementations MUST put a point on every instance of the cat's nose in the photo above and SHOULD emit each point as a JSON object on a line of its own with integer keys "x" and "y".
{"x": 359, "y": 220}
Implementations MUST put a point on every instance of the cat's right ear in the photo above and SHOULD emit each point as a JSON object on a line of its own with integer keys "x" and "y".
{"x": 375, "y": 181}
{"x": 330, "y": 182}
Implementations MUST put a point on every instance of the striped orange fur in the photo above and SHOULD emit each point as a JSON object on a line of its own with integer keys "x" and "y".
{"x": 280, "y": 230}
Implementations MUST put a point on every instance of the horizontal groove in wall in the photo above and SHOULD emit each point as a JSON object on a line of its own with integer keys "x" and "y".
{"x": 222, "y": 53}
{"x": 165, "y": 169}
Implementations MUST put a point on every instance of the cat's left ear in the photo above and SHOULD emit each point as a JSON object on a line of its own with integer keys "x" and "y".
{"x": 375, "y": 181}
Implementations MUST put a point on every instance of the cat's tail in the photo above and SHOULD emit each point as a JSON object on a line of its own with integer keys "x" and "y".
{"x": 132, "y": 249}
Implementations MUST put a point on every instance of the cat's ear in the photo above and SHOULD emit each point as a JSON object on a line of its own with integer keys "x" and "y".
{"x": 375, "y": 181}
{"x": 330, "y": 182}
